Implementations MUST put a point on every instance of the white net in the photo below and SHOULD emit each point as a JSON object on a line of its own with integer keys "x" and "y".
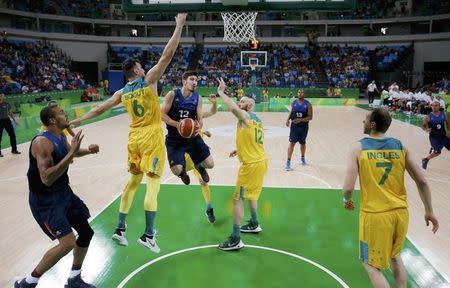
{"x": 239, "y": 27}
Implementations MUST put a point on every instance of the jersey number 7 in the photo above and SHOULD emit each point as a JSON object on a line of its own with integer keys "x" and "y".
{"x": 387, "y": 170}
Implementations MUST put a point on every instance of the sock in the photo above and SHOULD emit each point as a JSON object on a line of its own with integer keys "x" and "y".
{"x": 32, "y": 279}
{"x": 149, "y": 220}
{"x": 206, "y": 194}
{"x": 74, "y": 273}
{"x": 209, "y": 206}
{"x": 236, "y": 231}
{"x": 254, "y": 218}
{"x": 122, "y": 223}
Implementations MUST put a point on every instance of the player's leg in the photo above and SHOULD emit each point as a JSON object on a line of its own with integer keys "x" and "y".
{"x": 201, "y": 156}
{"x": 376, "y": 277}
{"x": 401, "y": 229}
{"x": 85, "y": 234}
{"x": 148, "y": 239}
{"x": 253, "y": 191}
{"x": 376, "y": 235}
{"x": 177, "y": 161}
{"x": 126, "y": 200}
{"x": 234, "y": 241}
{"x": 437, "y": 145}
{"x": 206, "y": 191}
{"x": 290, "y": 151}
{"x": 398, "y": 269}
{"x": 56, "y": 226}
{"x": 302, "y": 140}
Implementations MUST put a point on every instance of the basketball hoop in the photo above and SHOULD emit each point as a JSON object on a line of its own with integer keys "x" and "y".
{"x": 239, "y": 27}
{"x": 253, "y": 66}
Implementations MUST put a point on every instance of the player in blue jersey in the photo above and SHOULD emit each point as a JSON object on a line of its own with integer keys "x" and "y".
{"x": 299, "y": 117}
{"x": 53, "y": 204}
{"x": 434, "y": 123}
{"x": 179, "y": 104}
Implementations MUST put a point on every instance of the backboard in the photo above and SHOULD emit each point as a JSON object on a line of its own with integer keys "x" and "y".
{"x": 253, "y": 59}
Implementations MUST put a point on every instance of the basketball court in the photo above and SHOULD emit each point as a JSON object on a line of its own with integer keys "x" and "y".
{"x": 308, "y": 237}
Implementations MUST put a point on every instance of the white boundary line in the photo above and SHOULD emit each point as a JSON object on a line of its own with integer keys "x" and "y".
{"x": 317, "y": 265}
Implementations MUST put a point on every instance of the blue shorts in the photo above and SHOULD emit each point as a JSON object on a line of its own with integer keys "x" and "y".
{"x": 298, "y": 133}
{"x": 195, "y": 147}
{"x": 439, "y": 142}
{"x": 56, "y": 211}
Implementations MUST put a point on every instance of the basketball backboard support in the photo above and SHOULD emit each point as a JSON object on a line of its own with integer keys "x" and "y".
{"x": 156, "y": 6}
{"x": 254, "y": 59}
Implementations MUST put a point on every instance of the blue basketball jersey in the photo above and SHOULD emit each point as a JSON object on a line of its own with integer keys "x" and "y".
{"x": 60, "y": 150}
{"x": 182, "y": 108}
{"x": 300, "y": 110}
{"x": 437, "y": 124}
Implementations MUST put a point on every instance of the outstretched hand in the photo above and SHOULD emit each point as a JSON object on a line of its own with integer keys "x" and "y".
{"x": 75, "y": 123}
{"x": 76, "y": 142}
{"x": 180, "y": 19}
{"x": 429, "y": 217}
{"x": 222, "y": 85}
{"x": 212, "y": 98}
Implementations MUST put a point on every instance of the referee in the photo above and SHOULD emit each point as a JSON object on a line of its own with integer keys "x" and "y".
{"x": 371, "y": 88}
{"x": 5, "y": 123}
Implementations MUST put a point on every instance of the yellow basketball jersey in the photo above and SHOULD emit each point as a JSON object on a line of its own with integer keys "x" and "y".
{"x": 141, "y": 103}
{"x": 381, "y": 174}
{"x": 250, "y": 141}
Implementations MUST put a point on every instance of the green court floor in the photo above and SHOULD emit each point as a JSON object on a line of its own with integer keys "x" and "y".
{"x": 308, "y": 240}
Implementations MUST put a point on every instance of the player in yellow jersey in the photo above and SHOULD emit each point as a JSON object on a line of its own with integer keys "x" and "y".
{"x": 206, "y": 191}
{"x": 253, "y": 158}
{"x": 381, "y": 162}
{"x": 146, "y": 150}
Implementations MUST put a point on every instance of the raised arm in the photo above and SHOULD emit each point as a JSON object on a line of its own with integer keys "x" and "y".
{"x": 351, "y": 176}
{"x": 200, "y": 113}
{"x": 154, "y": 74}
{"x": 168, "y": 99}
{"x": 233, "y": 107}
{"x": 424, "y": 191}
{"x": 213, "y": 99}
{"x": 100, "y": 109}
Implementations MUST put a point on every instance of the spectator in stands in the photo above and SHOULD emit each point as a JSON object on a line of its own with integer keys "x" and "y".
{"x": 337, "y": 91}
{"x": 5, "y": 123}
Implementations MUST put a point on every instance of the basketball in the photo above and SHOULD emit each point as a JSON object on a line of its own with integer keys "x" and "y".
{"x": 187, "y": 128}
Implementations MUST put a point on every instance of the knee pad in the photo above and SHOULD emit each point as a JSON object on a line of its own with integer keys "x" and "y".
{"x": 85, "y": 235}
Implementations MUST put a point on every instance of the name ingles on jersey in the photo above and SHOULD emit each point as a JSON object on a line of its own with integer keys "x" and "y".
{"x": 383, "y": 155}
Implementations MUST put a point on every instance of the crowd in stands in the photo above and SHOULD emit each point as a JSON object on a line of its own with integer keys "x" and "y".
{"x": 286, "y": 66}
{"x": 76, "y": 8}
{"x": 415, "y": 101}
{"x": 347, "y": 67}
{"x": 149, "y": 57}
{"x": 31, "y": 67}
{"x": 387, "y": 57}
{"x": 364, "y": 9}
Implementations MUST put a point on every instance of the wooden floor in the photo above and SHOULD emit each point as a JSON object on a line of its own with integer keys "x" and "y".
{"x": 98, "y": 179}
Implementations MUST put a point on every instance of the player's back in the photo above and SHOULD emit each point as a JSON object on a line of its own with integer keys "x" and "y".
{"x": 381, "y": 174}
{"x": 250, "y": 141}
{"x": 141, "y": 103}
